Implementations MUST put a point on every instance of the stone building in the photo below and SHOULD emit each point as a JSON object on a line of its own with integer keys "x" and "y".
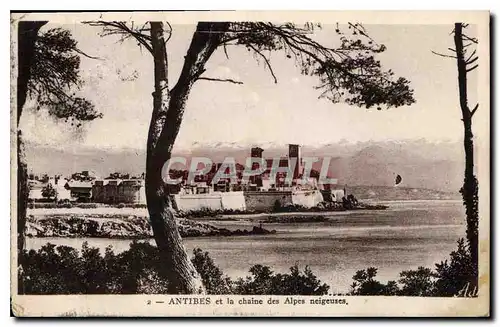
{"x": 80, "y": 191}
{"x": 116, "y": 191}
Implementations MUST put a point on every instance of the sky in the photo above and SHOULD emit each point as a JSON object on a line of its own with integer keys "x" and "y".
{"x": 259, "y": 111}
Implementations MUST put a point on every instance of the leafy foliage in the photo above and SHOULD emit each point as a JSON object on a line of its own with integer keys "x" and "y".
{"x": 63, "y": 270}
{"x": 449, "y": 279}
{"x": 49, "y": 192}
{"x": 470, "y": 197}
{"x": 348, "y": 72}
{"x": 265, "y": 281}
{"x": 411, "y": 283}
{"x": 365, "y": 284}
{"x": 55, "y": 73}
{"x": 455, "y": 274}
{"x": 418, "y": 282}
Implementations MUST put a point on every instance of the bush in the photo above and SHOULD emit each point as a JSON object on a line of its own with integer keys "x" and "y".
{"x": 207, "y": 212}
{"x": 83, "y": 205}
{"x": 202, "y": 212}
{"x": 49, "y": 192}
{"x": 63, "y": 270}
{"x": 264, "y": 281}
{"x": 453, "y": 276}
{"x": 365, "y": 284}
{"x": 136, "y": 205}
{"x": 449, "y": 279}
{"x": 418, "y": 282}
{"x": 88, "y": 205}
{"x": 50, "y": 205}
{"x": 277, "y": 206}
{"x": 64, "y": 205}
{"x": 411, "y": 283}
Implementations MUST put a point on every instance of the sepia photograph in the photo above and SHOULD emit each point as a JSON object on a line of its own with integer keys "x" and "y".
{"x": 250, "y": 164}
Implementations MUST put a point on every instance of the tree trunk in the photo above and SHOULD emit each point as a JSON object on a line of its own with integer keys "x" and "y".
{"x": 27, "y": 34}
{"x": 180, "y": 273}
{"x": 177, "y": 269}
{"x": 22, "y": 190}
{"x": 168, "y": 109}
{"x": 470, "y": 188}
{"x": 22, "y": 203}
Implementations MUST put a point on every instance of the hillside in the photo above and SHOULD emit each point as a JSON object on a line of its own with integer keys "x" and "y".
{"x": 391, "y": 193}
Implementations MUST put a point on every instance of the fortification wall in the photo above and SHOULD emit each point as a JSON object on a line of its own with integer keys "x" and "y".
{"x": 307, "y": 199}
{"x": 266, "y": 200}
{"x": 259, "y": 201}
{"x": 233, "y": 200}
{"x": 188, "y": 202}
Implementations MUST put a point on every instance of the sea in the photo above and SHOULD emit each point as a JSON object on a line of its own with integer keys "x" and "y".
{"x": 405, "y": 236}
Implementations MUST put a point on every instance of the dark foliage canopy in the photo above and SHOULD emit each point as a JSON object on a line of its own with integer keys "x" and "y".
{"x": 66, "y": 270}
{"x": 347, "y": 73}
{"x": 55, "y": 75}
{"x": 49, "y": 192}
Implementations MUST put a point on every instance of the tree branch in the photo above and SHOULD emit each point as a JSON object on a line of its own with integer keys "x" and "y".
{"x": 443, "y": 55}
{"x": 472, "y": 68}
{"x": 220, "y": 80}
{"x": 361, "y": 30}
{"x": 266, "y": 61}
{"x": 121, "y": 28}
{"x": 86, "y": 55}
{"x": 468, "y": 62}
{"x": 224, "y": 45}
{"x": 474, "y": 110}
{"x": 474, "y": 40}
{"x": 204, "y": 42}
{"x": 471, "y": 55}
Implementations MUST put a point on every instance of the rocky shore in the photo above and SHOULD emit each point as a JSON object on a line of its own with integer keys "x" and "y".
{"x": 129, "y": 227}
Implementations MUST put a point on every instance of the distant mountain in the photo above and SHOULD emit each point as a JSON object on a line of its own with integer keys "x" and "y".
{"x": 52, "y": 161}
{"x": 437, "y": 166}
{"x": 379, "y": 165}
{"x": 391, "y": 193}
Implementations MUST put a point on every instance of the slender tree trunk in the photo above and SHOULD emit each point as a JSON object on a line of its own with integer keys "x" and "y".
{"x": 178, "y": 270}
{"x": 470, "y": 188}
{"x": 22, "y": 204}
{"x": 168, "y": 109}
{"x": 27, "y": 34}
{"x": 22, "y": 191}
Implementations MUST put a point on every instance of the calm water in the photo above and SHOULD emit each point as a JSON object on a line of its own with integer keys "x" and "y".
{"x": 407, "y": 235}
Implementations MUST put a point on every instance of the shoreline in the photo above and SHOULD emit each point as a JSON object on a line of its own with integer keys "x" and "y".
{"x": 127, "y": 223}
{"x": 198, "y": 214}
{"x": 125, "y": 227}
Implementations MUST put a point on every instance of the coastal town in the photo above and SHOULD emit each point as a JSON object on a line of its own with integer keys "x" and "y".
{"x": 259, "y": 192}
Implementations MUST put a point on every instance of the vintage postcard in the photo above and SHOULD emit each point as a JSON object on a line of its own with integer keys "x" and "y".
{"x": 317, "y": 164}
